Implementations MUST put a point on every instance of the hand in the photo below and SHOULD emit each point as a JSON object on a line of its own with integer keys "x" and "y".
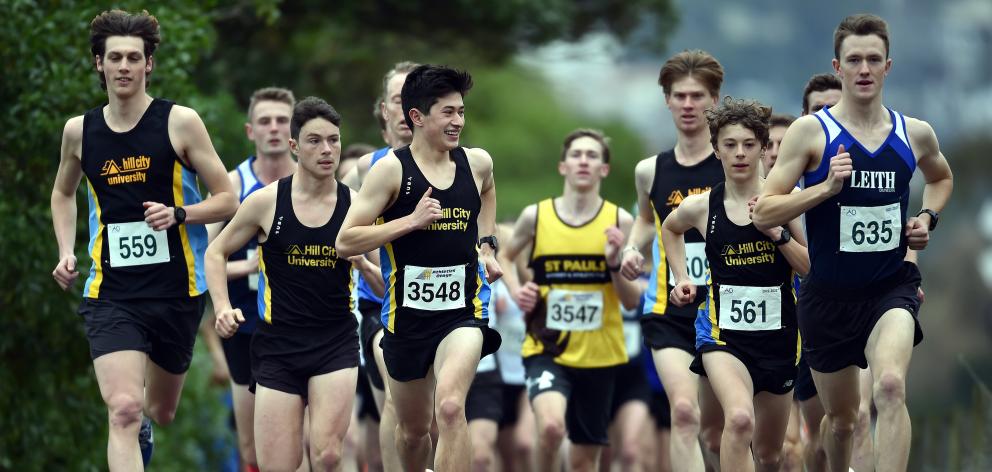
{"x": 159, "y": 216}
{"x": 917, "y": 234}
{"x": 228, "y": 321}
{"x": 841, "y": 167}
{"x": 614, "y": 240}
{"x": 683, "y": 293}
{"x": 527, "y": 297}
{"x": 922, "y": 296}
{"x": 65, "y": 272}
{"x": 491, "y": 266}
{"x": 751, "y": 204}
{"x": 632, "y": 263}
{"x": 428, "y": 210}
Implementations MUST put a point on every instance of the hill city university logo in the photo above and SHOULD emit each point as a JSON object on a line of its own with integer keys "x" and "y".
{"x": 130, "y": 169}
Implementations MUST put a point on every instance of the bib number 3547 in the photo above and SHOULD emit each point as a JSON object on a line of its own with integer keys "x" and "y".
{"x": 870, "y": 229}
{"x": 434, "y": 288}
{"x": 136, "y": 243}
{"x": 574, "y": 310}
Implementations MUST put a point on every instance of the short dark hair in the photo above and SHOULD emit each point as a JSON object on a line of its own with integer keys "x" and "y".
{"x": 121, "y": 23}
{"x": 427, "y": 83}
{"x": 695, "y": 63}
{"x": 587, "y": 133}
{"x": 747, "y": 113}
{"x": 862, "y": 24}
{"x": 308, "y": 109}
{"x": 270, "y": 94}
{"x": 778, "y": 119}
{"x": 819, "y": 83}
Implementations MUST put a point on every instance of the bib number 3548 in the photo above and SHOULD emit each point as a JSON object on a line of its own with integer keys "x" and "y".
{"x": 136, "y": 243}
{"x": 870, "y": 229}
{"x": 434, "y": 288}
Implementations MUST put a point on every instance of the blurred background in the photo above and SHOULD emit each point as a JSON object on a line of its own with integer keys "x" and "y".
{"x": 541, "y": 68}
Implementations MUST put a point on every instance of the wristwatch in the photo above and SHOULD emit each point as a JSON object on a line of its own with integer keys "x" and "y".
{"x": 491, "y": 241}
{"x": 784, "y": 238}
{"x": 934, "y": 216}
{"x": 180, "y": 215}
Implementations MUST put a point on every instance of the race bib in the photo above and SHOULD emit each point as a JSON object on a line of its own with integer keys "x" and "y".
{"x": 870, "y": 229}
{"x": 252, "y": 277}
{"x": 136, "y": 243}
{"x": 574, "y": 310}
{"x": 434, "y": 288}
{"x": 750, "y": 308}
{"x": 695, "y": 263}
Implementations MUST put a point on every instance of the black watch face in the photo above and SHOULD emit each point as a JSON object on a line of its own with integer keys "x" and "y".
{"x": 180, "y": 214}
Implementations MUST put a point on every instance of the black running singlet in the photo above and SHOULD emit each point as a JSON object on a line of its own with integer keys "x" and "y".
{"x": 856, "y": 237}
{"x": 434, "y": 272}
{"x": 751, "y": 293}
{"x": 303, "y": 283}
{"x": 123, "y": 170}
{"x": 672, "y": 183}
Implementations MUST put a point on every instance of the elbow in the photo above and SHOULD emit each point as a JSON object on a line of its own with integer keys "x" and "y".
{"x": 631, "y": 302}
{"x": 760, "y": 219}
{"x": 344, "y": 247}
{"x": 230, "y": 206}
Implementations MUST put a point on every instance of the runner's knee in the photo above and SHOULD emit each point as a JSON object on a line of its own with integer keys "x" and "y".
{"x": 161, "y": 415}
{"x": 450, "y": 411}
{"x": 125, "y": 410}
{"x": 552, "y": 432}
{"x": 685, "y": 415}
{"x": 890, "y": 390}
{"x": 329, "y": 456}
{"x": 740, "y": 422}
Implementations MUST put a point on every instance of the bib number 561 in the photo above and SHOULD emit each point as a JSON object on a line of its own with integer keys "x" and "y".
{"x": 747, "y": 310}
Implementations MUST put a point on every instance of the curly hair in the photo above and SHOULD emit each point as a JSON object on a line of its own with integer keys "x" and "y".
{"x": 747, "y": 113}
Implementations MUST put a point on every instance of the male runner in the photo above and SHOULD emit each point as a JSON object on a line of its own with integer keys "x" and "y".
{"x": 388, "y": 111}
{"x": 142, "y": 300}
{"x": 691, "y": 82}
{"x": 574, "y": 337}
{"x": 305, "y": 352}
{"x": 858, "y": 306}
{"x": 821, "y": 91}
{"x": 746, "y": 333}
{"x": 269, "y": 112}
{"x": 433, "y": 199}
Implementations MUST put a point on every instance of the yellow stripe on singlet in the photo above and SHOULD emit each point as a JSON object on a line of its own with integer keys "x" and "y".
{"x": 391, "y": 287}
{"x": 267, "y": 288}
{"x": 661, "y": 269}
{"x": 97, "y": 253}
{"x": 177, "y": 195}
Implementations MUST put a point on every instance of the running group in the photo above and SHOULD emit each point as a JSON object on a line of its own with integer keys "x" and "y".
{"x": 757, "y": 311}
